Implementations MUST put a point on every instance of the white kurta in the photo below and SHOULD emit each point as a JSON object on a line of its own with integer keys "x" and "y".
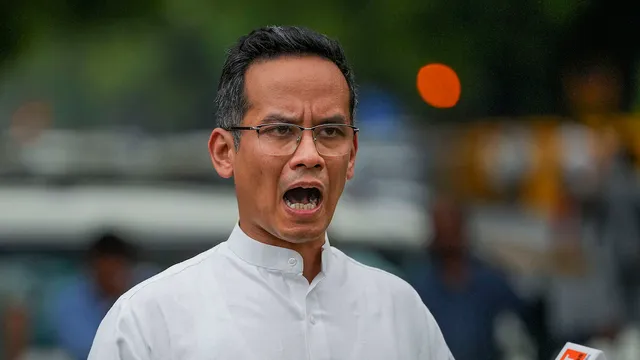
{"x": 246, "y": 300}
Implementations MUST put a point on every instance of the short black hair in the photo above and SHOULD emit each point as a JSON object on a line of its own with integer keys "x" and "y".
{"x": 269, "y": 43}
{"x": 110, "y": 244}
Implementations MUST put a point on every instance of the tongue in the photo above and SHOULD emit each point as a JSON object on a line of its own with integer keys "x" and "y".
{"x": 298, "y": 196}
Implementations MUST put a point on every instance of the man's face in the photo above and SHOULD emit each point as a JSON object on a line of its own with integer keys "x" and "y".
{"x": 449, "y": 228}
{"x": 306, "y": 91}
{"x": 112, "y": 274}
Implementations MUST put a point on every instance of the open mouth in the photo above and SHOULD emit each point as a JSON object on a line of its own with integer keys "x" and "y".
{"x": 300, "y": 198}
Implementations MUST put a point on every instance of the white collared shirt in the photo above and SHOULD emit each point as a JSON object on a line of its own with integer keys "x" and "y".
{"x": 246, "y": 300}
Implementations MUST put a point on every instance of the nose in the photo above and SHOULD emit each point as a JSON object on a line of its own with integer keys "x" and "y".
{"x": 306, "y": 155}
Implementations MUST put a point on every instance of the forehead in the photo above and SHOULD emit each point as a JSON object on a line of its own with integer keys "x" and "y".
{"x": 297, "y": 85}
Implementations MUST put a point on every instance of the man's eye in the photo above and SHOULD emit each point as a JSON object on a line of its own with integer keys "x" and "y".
{"x": 331, "y": 131}
{"x": 282, "y": 130}
{"x": 277, "y": 130}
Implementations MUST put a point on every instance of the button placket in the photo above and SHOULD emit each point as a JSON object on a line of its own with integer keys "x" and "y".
{"x": 317, "y": 336}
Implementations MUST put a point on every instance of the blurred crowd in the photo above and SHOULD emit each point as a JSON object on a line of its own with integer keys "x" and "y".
{"x": 52, "y": 305}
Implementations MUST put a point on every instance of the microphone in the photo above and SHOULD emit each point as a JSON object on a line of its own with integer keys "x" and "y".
{"x": 573, "y": 351}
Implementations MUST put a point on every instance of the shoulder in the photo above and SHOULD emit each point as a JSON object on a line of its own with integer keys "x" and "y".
{"x": 412, "y": 318}
{"x": 183, "y": 277}
{"x": 147, "y": 311}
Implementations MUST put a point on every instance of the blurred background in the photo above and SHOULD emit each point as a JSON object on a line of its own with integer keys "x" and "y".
{"x": 513, "y": 209}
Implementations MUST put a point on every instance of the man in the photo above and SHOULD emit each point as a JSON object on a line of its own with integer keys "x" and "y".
{"x": 276, "y": 289}
{"x": 465, "y": 295}
{"x": 79, "y": 306}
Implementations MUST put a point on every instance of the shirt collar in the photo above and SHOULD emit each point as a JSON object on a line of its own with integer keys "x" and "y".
{"x": 269, "y": 256}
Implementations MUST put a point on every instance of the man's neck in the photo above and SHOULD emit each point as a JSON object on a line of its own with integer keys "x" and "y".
{"x": 311, "y": 251}
{"x": 312, "y": 257}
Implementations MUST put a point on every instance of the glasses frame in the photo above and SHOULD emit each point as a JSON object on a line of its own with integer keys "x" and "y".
{"x": 302, "y": 129}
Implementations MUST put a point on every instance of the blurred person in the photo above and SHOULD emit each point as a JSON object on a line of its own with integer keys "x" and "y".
{"x": 80, "y": 305}
{"x": 276, "y": 289}
{"x": 465, "y": 294}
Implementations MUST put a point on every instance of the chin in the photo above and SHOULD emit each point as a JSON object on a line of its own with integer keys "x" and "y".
{"x": 302, "y": 233}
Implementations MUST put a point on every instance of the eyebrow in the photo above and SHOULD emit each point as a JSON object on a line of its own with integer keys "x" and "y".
{"x": 278, "y": 118}
{"x": 335, "y": 119}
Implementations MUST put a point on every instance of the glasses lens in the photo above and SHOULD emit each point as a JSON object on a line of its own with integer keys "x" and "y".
{"x": 333, "y": 139}
{"x": 278, "y": 139}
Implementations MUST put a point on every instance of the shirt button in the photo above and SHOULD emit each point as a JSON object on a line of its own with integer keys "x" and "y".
{"x": 293, "y": 262}
{"x": 312, "y": 320}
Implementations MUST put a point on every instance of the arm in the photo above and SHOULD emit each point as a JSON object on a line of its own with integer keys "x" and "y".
{"x": 119, "y": 336}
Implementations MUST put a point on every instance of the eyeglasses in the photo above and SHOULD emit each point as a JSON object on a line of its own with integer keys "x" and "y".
{"x": 281, "y": 139}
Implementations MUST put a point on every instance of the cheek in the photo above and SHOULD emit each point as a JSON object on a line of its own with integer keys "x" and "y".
{"x": 338, "y": 176}
{"x": 257, "y": 180}
{"x": 264, "y": 180}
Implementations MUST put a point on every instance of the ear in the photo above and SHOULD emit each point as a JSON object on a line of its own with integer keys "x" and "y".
{"x": 222, "y": 152}
{"x": 352, "y": 157}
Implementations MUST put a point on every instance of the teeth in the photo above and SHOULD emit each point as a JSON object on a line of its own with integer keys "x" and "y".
{"x": 313, "y": 202}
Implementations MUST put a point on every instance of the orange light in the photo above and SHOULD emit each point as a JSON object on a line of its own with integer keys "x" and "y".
{"x": 439, "y": 85}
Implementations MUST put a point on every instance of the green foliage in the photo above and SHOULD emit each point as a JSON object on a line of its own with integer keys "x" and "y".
{"x": 162, "y": 57}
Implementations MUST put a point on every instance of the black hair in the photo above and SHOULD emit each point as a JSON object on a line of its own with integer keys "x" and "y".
{"x": 110, "y": 244}
{"x": 269, "y": 43}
